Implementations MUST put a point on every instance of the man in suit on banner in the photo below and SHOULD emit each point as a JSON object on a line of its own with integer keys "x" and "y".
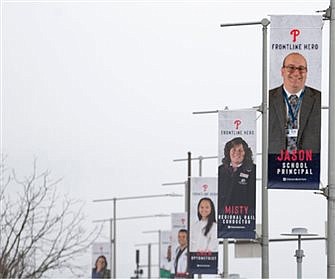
{"x": 304, "y": 114}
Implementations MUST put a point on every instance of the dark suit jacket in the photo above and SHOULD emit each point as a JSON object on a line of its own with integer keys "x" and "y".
{"x": 309, "y": 121}
{"x": 237, "y": 188}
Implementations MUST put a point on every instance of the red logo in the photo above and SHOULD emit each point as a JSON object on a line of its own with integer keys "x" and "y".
{"x": 205, "y": 187}
{"x": 237, "y": 123}
{"x": 295, "y": 33}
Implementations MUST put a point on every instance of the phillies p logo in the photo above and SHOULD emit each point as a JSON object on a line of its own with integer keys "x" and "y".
{"x": 295, "y": 33}
{"x": 205, "y": 187}
{"x": 237, "y": 123}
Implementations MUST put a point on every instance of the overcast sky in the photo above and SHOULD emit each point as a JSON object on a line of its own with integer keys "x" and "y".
{"x": 102, "y": 94}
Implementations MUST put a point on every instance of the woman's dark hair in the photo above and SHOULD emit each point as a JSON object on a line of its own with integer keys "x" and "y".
{"x": 103, "y": 257}
{"x": 247, "y": 150}
{"x": 211, "y": 216}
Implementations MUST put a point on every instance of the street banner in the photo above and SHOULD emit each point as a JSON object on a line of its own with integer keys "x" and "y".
{"x": 101, "y": 251}
{"x": 203, "y": 226}
{"x": 295, "y": 102}
{"x": 165, "y": 257}
{"x": 179, "y": 244}
{"x": 237, "y": 174}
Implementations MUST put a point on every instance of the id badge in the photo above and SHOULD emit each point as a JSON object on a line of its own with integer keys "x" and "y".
{"x": 292, "y": 133}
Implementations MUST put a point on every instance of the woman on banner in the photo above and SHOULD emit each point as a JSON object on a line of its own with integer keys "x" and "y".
{"x": 204, "y": 230}
{"x": 100, "y": 270}
{"x": 237, "y": 179}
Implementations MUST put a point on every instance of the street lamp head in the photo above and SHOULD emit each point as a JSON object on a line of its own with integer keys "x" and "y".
{"x": 152, "y": 231}
{"x": 162, "y": 215}
{"x": 265, "y": 22}
{"x": 138, "y": 197}
{"x": 174, "y": 195}
{"x": 299, "y": 232}
{"x": 102, "y": 220}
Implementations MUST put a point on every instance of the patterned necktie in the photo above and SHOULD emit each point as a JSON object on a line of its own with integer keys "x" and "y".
{"x": 292, "y": 123}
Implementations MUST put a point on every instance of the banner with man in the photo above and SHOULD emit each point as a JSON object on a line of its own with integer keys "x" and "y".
{"x": 295, "y": 102}
{"x": 203, "y": 226}
{"x": 179, "y": 244}
{"x": 237, "y": 174}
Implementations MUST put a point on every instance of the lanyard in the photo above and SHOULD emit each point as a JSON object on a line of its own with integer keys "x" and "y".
{"x": 180, "y": 251}
{"x": 293, "y": 114}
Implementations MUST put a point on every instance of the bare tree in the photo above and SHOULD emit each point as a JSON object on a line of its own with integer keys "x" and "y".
{"x": 40, "y": 230}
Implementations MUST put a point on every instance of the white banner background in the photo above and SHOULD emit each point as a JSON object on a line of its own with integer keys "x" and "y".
{"x": 101, "y": 249}
{"x": 237, "y": 123}
{"x": 310, "y": 37}
{"x": 201, "y": 187}
{"x": 178, "y": 221}
{"x": 165, "y": 242}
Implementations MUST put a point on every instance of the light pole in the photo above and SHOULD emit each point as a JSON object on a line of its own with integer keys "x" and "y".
{"x": 113, "y": 234}
{"x": 263, "y": 109}
{"x": 185, "y": 190}
{"x": 111, "y": 221}
{"x": 299, "y": 253}
{"x": 200, "y": 159}
{"x": 186, "y": 183}
{"x": 330, "y": 13}
{"x": 149, "y": 254}
{"x": 159, "y": 250}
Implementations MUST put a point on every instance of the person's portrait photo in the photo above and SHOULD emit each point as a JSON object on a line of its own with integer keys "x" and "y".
{"x": 100, "y": 270}
{"x": 294, "y": 109}
{"x": 237, "y": 175}
{"x": 204, "y": 230}
{"x": 180, "y": 261}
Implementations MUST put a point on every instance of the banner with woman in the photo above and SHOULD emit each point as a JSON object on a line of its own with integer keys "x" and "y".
{"x": 203, "y": 226}
{"x": 237, "y": 174}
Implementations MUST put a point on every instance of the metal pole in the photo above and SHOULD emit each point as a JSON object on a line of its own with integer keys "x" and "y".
{"x": 200, "y": 174}
{"x": 265, "y": 214}
{"x": 159, "y": 252}
{"x": 111, "y": 244}
{"x": 137, "y": 259}
{"x": 331, "y": 148}
{"x": 113, "y": 271}
{"x": 225, "y": 259}
{"x": 149, "y": 260}
{"x": 200, "y": 165}
{"x": 264, "y": 109}
{"x": 225, "y": 253}
{"x": 114, "y": 242}
{"x": 187, "y": 194}
{"x": 299, "y": 254}
{"x": 187, "y": 209}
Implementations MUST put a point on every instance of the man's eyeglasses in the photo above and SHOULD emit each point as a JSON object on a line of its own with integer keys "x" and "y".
{"x": 292, "y": 68}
